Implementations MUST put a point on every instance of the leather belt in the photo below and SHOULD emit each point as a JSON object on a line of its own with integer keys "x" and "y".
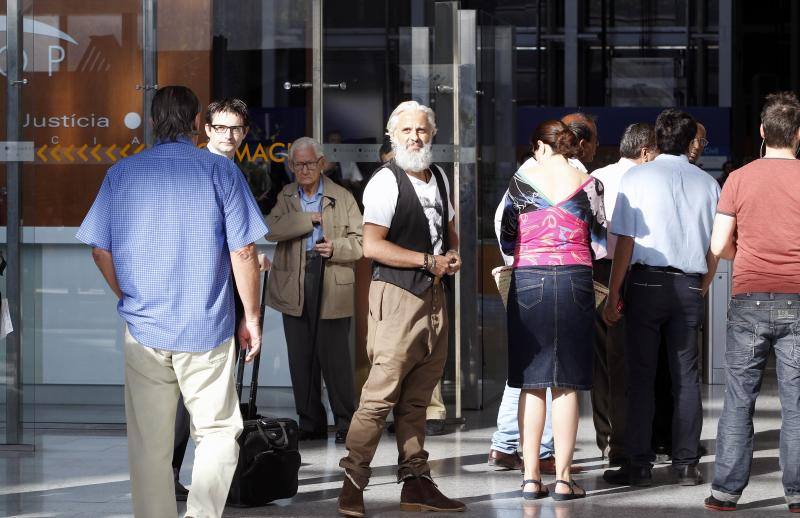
{"x": 662, "y": 269}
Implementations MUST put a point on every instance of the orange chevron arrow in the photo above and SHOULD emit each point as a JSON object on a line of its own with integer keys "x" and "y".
{"x": 109, "y": 153}
{"x": 54, "y": 153}
{"x": 41, "y": 154}
{"x": 81, "y": 153}
{"x": 124, "y": 151}
{"x": 68, "y": 153}
{"x": 139, "y": 148}
{"x": 93, "y": 152}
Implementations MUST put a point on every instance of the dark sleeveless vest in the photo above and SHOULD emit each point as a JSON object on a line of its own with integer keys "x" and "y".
{"x": 410, "y": 229}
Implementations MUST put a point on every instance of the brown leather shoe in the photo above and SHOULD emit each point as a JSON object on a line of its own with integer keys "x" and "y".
{"x": 351, "y": 499}
{"x": 420, "y": 494}
{"x": 505, "y": 460}
{"x": 548, "y": 466}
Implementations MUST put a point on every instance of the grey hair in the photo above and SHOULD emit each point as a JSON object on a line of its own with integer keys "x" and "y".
{"x": 637, "y": 136}
{"x": 406, "y": 106}
{"x": 305, "y": 142}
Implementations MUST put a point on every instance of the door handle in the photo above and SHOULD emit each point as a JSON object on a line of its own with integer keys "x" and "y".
{"x": 297, "y": 86}
{"x": 339, "y": 86}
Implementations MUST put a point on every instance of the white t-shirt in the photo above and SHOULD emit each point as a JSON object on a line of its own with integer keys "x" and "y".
{"x": 611, "y": 175}
{"x": 380, "y": 202}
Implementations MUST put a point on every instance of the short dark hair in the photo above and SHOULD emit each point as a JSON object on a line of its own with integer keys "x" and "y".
{"x": 558, "y": 136}
{"x": 675, "y": 130}
{"x": 781, "y": 119}
{"x": 581, "y": 127}
{"x": 637, "y": 136}
{"x": 173, "y": 111}
{"x": 230, "y": 105}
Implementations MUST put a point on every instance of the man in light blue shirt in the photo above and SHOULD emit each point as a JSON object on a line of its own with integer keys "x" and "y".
{"x": 167, "y": 227}
{"x": 662, "y": 218}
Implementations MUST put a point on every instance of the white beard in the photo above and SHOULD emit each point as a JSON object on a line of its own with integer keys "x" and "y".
{"x": 413, "y": 161}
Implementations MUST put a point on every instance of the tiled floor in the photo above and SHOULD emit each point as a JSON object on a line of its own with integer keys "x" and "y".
{"x": 84, "y": 474}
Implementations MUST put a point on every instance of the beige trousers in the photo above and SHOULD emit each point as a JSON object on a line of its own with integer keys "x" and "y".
{"x": 436, "y": 408}
{"x": 153, "y": 380}
{"x": 407, "y": 348}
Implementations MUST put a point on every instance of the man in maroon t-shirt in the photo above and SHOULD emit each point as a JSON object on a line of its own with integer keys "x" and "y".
{"x": 758, "y": 225}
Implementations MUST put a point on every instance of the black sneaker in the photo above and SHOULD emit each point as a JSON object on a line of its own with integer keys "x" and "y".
{"x": 719, "y": 505}
{"x": 639, "y": 476}
{"x": 341, "y": 437}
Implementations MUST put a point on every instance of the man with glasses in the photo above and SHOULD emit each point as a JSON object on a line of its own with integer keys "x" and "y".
{"x": 226, "y": 126}
{"x": 698, "y": 145}
{"x": 317, "y": 226}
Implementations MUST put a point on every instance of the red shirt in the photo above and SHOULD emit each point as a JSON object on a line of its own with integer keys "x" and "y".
{"x": 764, "y": 197}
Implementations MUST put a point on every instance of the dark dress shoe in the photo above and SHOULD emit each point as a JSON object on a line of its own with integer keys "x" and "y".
{"x": 688, "y": 475}
{"x": 341, "y": 437}
{"x": 181, "y": 493}
{"x": 351, "y": 499}
{"x": 306, "y": 435}
{"x": 420, "y": 494}
{"x": 548, "y": 466}
{"x": 639, "y": 476}
{"x": 435, "y": 427}
{"x": 503, "y": 460}
{"x": 719, "y": 505}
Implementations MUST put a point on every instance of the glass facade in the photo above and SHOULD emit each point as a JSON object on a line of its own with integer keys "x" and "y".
{"x": 333, "y": 70}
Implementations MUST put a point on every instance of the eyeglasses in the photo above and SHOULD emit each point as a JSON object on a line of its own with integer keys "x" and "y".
{"x": 299, "y": 166}
{"x": 703, "y": 142}
{"x": 221, "y": 129}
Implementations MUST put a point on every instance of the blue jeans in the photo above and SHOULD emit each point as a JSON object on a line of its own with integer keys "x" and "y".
{"x": 506, "y": 438}
{"x": 758, "y": 322}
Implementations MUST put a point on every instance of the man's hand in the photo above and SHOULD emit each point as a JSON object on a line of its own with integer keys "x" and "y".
{"x": 250, "y": 338}
{"x": 610, "y": 314}
{"x": 316, "y": 218}
{"x": 442, "y": 266}
{"x": 453, "y": 262}
{"x": 263, "y": 263}
{"x": 325, "y": 248}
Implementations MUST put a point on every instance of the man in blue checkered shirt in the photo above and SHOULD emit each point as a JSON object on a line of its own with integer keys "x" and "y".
{"x": 166, "y": 229}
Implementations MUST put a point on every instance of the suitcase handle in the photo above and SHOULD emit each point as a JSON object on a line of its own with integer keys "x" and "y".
{"x": 251, "y": 403}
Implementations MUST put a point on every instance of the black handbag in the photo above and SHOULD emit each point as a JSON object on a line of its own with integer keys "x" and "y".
{"x": 268, "y": 458}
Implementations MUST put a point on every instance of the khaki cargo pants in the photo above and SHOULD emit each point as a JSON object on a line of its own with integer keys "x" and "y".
{"x": 407, "y": 347}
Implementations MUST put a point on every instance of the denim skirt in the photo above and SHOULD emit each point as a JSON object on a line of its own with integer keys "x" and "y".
{"x": 551, "y": 327}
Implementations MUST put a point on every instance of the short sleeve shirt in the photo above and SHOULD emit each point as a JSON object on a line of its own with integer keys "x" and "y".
{"x": 667, "y": 206}
{"x": 764, "y": 197}
{"x": 170, "y": 216}
{"x": 380, "y": 202}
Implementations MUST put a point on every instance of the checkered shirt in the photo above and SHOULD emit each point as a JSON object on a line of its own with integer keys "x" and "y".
{"x": 170, "y": 216}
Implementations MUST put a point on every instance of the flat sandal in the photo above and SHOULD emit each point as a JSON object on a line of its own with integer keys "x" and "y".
{"x": 572, "y": 495}
{"x": 534, "y": 495}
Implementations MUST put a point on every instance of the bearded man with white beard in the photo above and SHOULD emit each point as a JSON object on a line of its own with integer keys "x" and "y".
{"x": 409, "y": 234}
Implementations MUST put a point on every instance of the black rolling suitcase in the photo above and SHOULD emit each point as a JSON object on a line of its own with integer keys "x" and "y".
{"x": 268, "y": 458}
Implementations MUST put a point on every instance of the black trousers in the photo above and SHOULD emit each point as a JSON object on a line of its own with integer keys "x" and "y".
{"x": 608, "y": 388}
{"x": 332, "y": 352}
{"x": 182, "y": 421}
{"x": 670, "y": 304}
